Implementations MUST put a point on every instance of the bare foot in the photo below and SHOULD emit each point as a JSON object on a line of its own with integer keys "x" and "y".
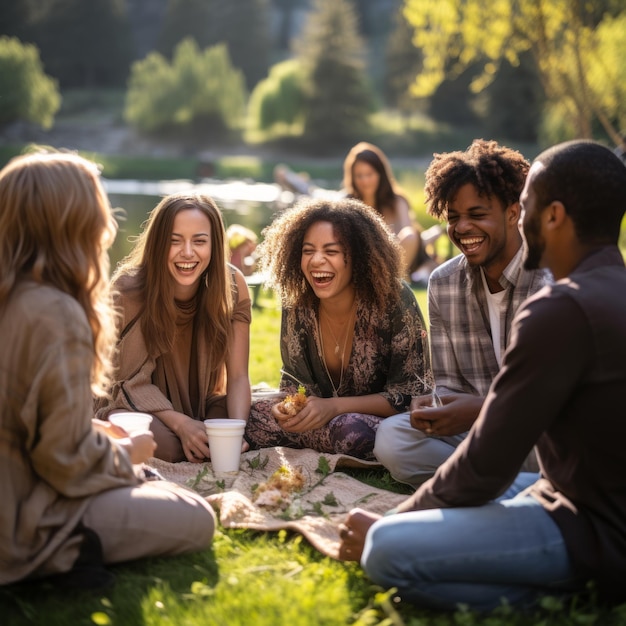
{"x": 352, "y": 533}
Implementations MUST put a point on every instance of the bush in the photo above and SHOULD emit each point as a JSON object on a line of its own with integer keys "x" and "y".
{"x": 199, "y": 91}
{"x": 278, "y": 99}
{"x": 27, "y": 92}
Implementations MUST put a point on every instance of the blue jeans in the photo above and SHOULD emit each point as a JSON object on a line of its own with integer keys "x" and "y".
{"x": 477, "y": 556}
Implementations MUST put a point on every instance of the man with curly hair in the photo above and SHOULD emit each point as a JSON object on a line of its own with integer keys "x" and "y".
{"x": 561, "y": 389}
{"x": 472, "y": 299}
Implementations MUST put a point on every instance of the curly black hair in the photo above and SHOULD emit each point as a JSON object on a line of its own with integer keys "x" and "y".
{"x": 493, "y": 169}
{"x": 377, "y": 266}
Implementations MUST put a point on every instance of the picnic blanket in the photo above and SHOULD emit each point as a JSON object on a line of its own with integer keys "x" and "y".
{"x": 320, "y": 499}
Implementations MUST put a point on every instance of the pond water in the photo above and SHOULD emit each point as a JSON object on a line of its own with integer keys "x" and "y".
{"x": 251, "y": 204}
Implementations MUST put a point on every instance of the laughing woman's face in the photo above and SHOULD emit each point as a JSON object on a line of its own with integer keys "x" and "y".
{"x": 324, "y": 262}
{"x": 190, "y": 251}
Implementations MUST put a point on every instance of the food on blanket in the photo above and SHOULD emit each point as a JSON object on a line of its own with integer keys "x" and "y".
{"x": 293, "y": 404}
{"x": 276, "y": 491}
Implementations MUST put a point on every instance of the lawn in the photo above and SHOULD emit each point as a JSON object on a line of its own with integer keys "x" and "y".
{"x": 261, "y": 579}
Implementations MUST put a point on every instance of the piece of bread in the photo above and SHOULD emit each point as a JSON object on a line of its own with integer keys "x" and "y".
{"x": 294, "y": 403}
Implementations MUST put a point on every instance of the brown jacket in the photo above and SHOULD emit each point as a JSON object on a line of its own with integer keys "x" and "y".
{"x": 51, "y": 458}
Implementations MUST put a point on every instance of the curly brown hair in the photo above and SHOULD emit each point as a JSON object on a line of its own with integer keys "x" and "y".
{"x": 376, "y": 256}
{"x": 493, "y": 169}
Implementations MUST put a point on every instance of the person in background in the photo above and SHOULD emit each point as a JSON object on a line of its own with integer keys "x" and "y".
{"x": 561, "y": 388}
{"x": 472, "y": 300}
{"x": 242, "y": 243}
{"x": 184, "y": 329}
{"x": 71, "y": 500}
{"x": 352, "y": 333}
{"x": 367, "y": 176}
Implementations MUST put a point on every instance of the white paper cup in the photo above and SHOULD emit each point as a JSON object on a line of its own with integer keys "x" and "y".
{"x": 225, "y": 440}
{"x": 132, "y": 422}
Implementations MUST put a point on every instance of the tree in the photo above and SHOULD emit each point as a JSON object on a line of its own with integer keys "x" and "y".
{"x": 564, "y": 37}
{"x": 337, "y": 98}
{"x": 199, "y": 92}
{"x": 277, "y": 100}
{"x": 27, "y": 93}
{"x": 404, "y": 62}
{"x": 243, "y": 26}
{"x": 84, "y": 43}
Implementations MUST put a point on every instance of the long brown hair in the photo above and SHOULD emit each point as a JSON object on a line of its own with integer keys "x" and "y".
{"x": 56, "y": 225}
{"x": 388, "y": 189}
{"x": 144, "y": 275}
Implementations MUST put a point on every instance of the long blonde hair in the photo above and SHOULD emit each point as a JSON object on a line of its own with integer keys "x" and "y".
{"x": 56, "y": 225}
{"x": 145, "y": 276}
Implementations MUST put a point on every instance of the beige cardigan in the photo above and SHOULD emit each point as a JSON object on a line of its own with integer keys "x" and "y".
{"x": 51, "y": 458}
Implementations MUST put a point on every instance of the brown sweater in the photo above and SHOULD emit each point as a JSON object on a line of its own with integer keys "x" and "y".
{"x": 179, "y": 380}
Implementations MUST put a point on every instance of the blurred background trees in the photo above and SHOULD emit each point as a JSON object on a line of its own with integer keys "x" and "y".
{"x": 323, "y": 73}
{"x": 199, "y": 93}
{"x": 337, "y": 96}
{"x": 27, "y": 92}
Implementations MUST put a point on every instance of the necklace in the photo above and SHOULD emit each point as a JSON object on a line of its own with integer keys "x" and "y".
{"x": 337, "y": 351}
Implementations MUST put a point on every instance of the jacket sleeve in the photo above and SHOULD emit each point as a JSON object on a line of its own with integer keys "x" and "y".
{"x": 64, "y": 448}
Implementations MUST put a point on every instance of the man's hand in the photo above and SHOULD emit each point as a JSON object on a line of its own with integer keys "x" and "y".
{"x": 352, "y": 533}
{"x": 456, "y": 415}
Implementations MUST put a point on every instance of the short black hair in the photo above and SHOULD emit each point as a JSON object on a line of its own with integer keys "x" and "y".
{"x": 590, "y": 181}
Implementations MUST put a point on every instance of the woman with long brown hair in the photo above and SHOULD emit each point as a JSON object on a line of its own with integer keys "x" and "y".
{"x": 367, "y": 176}
{"x": 71, "y": 499}
{"x": 185, "y": 328}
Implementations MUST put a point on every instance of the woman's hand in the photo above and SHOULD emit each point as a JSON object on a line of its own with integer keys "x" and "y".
{"x": 193, "y": 437}
{"x": 317, "y": 412}
{"x": 139, "y": 446}
{"x": 109, "y": 429}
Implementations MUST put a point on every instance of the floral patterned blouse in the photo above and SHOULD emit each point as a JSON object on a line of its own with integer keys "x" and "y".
{"x": 389, "y": 353}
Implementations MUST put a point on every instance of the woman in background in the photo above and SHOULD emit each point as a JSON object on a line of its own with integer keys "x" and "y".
{"x": 352, "y": 333}
{"x": 367, "y": 176}
{"x": 70, "y": 498}
{"x": 185, "y": 328}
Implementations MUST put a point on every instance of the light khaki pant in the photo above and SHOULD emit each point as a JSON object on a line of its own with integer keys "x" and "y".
{"x": 156, "y": 518}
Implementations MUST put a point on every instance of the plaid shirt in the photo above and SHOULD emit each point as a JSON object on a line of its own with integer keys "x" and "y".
{"x": 463, "y": 358}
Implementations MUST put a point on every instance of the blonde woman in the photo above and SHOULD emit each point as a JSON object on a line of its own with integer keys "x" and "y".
{"x": 185, "y": 328}
{"x": 71, "y": 499}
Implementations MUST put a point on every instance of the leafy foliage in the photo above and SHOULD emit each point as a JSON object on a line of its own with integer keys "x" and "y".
{"x": 404, "y": 62}
{"x": 564, "y": 37}
{"x": 198, "y": 91}
{"x": 278, "y": 100}
{"x": 337, "y": 96}
{"x": 27, "y": 92}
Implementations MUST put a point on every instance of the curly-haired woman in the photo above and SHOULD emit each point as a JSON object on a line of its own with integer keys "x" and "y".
{"x": 352, "y": 332}
{"x": 70, "y": 497}
{"x": 185, "y": 333}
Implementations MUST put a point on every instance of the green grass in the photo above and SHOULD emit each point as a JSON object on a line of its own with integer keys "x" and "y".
{"x": 261, "y": 579}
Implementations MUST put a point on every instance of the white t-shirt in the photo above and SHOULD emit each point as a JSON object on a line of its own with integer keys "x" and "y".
{"x": 494, "y": 303}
